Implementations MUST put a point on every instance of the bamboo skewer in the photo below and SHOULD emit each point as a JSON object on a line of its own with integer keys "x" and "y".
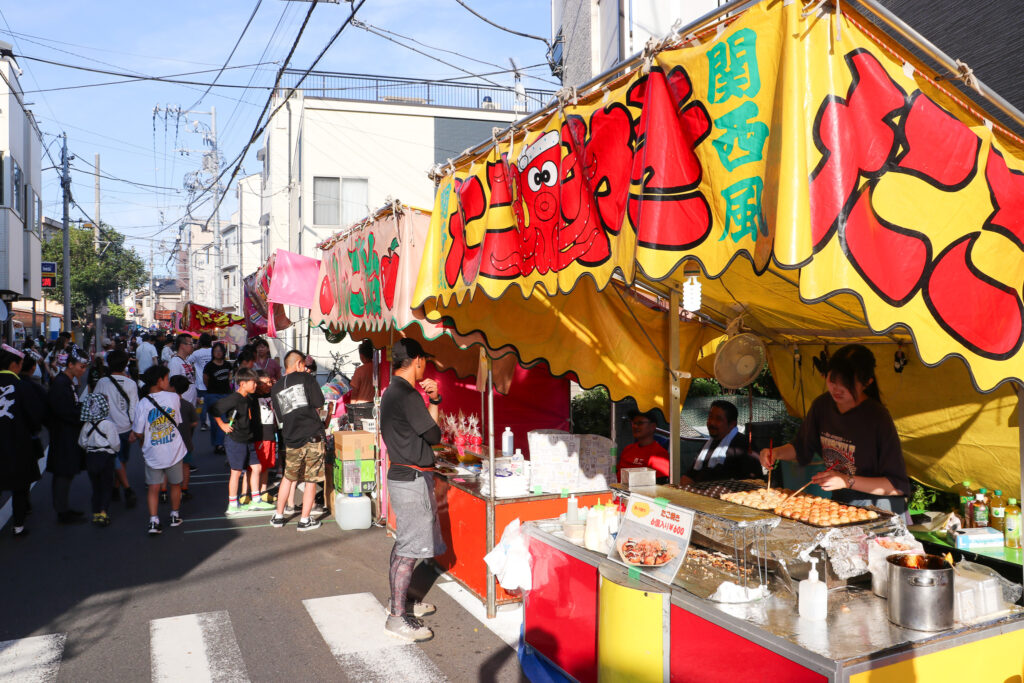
{"x": 784, "y": 500}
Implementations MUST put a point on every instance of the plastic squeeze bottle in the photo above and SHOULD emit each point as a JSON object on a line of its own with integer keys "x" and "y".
{"x": 1012, "y": 533}
{"x": 997, "y": 511}
{"x": 813, "y": 595}
{"x": 507, "y": 439}
{"x": 979, "y": 511}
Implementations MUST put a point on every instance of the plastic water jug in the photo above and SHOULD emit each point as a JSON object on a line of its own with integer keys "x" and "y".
{"x": 352, "y": 511}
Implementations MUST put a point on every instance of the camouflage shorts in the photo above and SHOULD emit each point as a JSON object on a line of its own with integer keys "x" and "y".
{"x": 305, "y": 463}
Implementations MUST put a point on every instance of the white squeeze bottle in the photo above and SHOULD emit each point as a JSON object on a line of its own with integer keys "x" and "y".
{"x": 813, "y": 595}
{"x": 507, "y": 441}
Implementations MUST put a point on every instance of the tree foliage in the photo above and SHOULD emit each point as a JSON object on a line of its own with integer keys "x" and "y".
{"x": 592, "y": 412}
{"x": 95, "y": 277}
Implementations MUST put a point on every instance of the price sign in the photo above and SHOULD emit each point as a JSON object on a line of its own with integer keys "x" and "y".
{"x": 653, "y": 537}
{"x": 48, "y": 272}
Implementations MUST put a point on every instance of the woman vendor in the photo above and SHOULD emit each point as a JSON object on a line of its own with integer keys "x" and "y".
{"x": 855, "y": 436}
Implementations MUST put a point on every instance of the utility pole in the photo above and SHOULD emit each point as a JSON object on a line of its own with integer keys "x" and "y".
{"x": 97, "y": 324}
{"x": 218, "y": 295}
{"x": 65, "y": 183}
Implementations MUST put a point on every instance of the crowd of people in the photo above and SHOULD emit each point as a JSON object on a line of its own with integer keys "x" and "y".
{"x": 159, "y": 392}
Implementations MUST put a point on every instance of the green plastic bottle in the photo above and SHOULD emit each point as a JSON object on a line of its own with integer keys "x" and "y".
{"x": 966, "y": 495}
{"x": 1012, "y": 519}
{"x": 997, "y": 511}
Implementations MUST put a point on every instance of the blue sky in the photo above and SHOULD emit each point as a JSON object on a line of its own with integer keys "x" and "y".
{"x": 155, "y": 38}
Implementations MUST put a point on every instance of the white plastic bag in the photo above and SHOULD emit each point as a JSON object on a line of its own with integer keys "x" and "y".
{"x": 510, "y": 559}
{"x": 882, "y": 547}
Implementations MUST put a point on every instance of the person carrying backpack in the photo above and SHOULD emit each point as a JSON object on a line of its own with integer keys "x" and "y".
{"x": 157, "y": 417}
{"x": 101, "y": 442}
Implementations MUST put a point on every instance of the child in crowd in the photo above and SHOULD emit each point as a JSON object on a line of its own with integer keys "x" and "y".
{"x": 156, "y": 425}
{"x": 266, "y": 445}
{"x": 237, "y": 414}
{"x": 189, "y": 420}
{"x": 101, "y": 442}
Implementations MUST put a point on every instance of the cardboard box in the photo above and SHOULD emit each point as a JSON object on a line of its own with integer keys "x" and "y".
{"x": 636, "y": 477}
{"x": 355, "y": 445}
{"x": 355, "y": 476}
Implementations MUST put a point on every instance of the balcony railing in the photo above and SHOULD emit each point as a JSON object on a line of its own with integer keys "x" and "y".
{"x": 395, "y": 90}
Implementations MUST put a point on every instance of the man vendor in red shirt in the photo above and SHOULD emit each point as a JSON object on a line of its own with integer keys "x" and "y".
{"x": 725, "y": 454}
{"x": 645, "y": 451}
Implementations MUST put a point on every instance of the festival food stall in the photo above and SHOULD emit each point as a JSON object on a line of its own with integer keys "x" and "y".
{"x": 366, "y": 280}
{"x": 823, "y": 186}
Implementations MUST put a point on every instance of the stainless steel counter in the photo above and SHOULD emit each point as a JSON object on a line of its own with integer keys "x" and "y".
{"x": 855, "y": 636}
{"x": 472, "y": 486}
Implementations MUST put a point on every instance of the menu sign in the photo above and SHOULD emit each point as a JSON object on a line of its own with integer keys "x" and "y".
{"x": 653, "y": 537}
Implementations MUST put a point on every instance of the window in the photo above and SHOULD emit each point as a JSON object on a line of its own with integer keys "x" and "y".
{"x": 355, "y": 202}
{"x": 17, "y": 188}
{"x": 325, "y": 201}
{"x": 37, "y": 227}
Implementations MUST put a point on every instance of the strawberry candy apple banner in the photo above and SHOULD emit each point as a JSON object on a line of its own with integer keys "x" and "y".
{"x": 779, "y": 139}
{"x": 367, "y": 278}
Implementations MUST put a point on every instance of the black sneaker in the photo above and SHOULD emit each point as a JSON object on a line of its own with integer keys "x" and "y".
{"x": 277, "y": 521}
{"x": 185, "y": 495}
{"x": 163, "y": 496}
{"x": 115, "y": 495}
{"x": 130, "y": 499}
{"x": 176, "y": 520}
{"x": 155, "y": 528}
{"x": 308, "y": 526}
{"x": 193, "y": 468}
{"x": 408, "y": 627}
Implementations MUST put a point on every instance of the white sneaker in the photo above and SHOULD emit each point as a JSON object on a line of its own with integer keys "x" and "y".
{"x": 408, "y": 627}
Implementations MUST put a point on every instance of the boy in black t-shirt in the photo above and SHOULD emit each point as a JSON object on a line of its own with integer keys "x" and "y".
{"x": 238, "y": 415}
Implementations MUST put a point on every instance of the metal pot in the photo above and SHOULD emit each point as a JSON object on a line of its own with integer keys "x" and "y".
{"x": 920, "y": 592}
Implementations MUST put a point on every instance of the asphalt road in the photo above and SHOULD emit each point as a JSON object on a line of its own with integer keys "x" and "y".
{"x": 107, "y": 590}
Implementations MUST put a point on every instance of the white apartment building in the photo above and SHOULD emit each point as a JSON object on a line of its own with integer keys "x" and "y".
{"x": 592, "y": 36}
{"x": 344, "y": 144}
{"x": 243, "y": 243}
{"x": 20, "y": 181}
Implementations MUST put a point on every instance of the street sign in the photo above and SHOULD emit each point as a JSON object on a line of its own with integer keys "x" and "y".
{"x": 48, "y": 270}
{"x": 132, "y": 310}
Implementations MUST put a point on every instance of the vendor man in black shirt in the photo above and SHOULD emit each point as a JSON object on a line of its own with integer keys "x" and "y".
{"x": 297, "y": 397}
{"x": 409, "y": 429}
{"x": 725, "y": 454}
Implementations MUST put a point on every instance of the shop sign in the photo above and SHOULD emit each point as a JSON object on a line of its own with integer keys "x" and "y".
{"x": 653, "y": 537}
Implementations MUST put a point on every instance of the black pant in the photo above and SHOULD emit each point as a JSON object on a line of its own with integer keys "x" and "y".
{"x": 61, "y": 489}
{"x": 19, "y": 506}
{"x": 100, "y": 465}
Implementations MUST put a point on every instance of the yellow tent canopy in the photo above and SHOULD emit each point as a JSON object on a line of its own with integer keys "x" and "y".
{"x": 817, "y": 179}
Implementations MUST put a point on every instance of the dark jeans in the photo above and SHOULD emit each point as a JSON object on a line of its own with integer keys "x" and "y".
{"x": 61, "y": 488}
{"x": 19, "y": 506}
{"x": 216, "y": 435}
{"x": 101, "y": 473}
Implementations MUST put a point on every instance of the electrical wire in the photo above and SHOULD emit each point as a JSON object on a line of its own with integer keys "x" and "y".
{"x": 28, "y": 36}
{"x": 130, "y": 78}
{"x": 232, "y": 54}
{"x": 103, "y": 174}
{"x": 504, "y": 28}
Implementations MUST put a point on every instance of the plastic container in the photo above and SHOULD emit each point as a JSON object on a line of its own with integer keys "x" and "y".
{"x": 966, "y": 495}
{"x": 979, "y": 511}
{"x": 352, "y": 511}
{"x": 1012, "y": 522}
{"x": 813, "y": 594}
{"x": 997, "y": 510}
{"x": 507, "y": 441}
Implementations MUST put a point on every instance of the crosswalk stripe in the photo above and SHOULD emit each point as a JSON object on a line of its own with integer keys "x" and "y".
{"x": 34, "y": 660}
{"x": 196, "y": 648}
{"x": 353, "y": 627}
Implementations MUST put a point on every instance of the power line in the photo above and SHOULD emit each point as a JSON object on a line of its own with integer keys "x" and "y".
{"x": 232, "y": 54}
{"x": 260, "y": 127}
{"x": 129, "y": 77}
{"x": 122, "y": 180}
{"x": 27, "y": 36}
{"x": 503, "y": 28}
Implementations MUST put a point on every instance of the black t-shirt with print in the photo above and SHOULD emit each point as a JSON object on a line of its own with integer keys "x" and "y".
{"x": 246, "y": 415}
{"x": 217, "y": 378}
{"x": 297, "y": 397}
{"x": 408, "y": 430}
{"x": 862, "y": 441}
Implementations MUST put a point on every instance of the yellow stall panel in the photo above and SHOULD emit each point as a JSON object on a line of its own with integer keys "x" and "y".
{"x": 630, "y": 635}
